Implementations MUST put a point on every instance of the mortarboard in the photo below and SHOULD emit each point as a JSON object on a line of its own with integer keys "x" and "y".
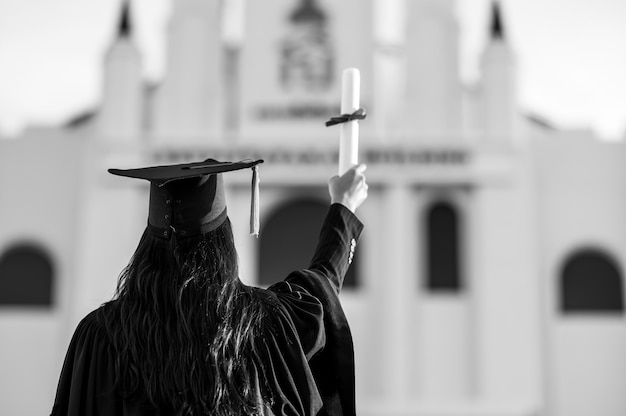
{"x": 188, "y": 199}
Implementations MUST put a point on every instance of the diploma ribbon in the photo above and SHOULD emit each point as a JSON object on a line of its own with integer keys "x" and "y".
{"x": 359, "y": 114}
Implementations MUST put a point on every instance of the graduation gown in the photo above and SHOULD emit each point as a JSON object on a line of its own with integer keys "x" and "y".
{"x": 308, "y": 356}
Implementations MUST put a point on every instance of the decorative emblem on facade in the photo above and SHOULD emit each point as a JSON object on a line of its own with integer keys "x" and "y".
{"x": 307, "y": 55}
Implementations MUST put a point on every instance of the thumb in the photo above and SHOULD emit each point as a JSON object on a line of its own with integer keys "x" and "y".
{"x": 360, "y": 168}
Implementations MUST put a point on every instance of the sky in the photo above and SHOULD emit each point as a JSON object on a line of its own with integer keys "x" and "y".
{"x": 571, "y": 55}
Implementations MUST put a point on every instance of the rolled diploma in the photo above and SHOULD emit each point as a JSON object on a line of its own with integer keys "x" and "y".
{"x": 349, "y": 131}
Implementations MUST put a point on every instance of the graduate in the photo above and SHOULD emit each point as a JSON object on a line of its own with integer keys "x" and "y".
{"x": 184, "y": 336}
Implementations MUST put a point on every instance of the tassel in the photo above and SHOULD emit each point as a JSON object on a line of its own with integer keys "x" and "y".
{"x": 254, "y": 203}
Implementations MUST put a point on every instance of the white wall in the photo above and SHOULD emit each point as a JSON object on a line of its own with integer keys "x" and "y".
{"x": 582, "y": 201}
{"x": 39, "y": 202}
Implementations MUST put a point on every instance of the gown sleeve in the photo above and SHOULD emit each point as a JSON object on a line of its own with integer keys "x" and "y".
{"x": 87, "y": 378}
{"x": 314, "y": 319}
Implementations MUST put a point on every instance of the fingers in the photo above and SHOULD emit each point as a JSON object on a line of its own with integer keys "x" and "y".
{"x": 356, "y": 170}
{"x": 349, "y": 189}
{"x": 355, "y": 176}
{"x": 359, "y": 174}
{"x": 360, "y": 168}
{"x": 361, "y": 184}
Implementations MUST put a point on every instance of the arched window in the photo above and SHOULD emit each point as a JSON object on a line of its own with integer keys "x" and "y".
{"x": 591, "y": 281}
{"x": 26, "y": 277}
{"x": 288, "y": 240}
{"x": 443, "y": 270}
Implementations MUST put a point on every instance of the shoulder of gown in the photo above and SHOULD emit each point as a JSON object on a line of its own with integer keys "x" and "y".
{"x": 87, "y": 378}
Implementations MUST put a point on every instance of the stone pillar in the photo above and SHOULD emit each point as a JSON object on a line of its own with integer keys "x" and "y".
{"x": 112, "y": 216}
{"x": 394, "y": 290}
{"x": 189, "y": 102}
{"x": 507, "y": 301}
{"x": 433, "y": 85}
{"x": 499, "y": 85}
{"x": 122, "y": 109}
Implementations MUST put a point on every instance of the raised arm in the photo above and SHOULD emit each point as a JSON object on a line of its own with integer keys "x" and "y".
{"x": 309, "y": 298}
{"x": 341, "y": 228}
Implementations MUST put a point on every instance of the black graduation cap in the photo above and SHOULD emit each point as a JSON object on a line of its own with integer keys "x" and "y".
{"x": 188, "y": 199}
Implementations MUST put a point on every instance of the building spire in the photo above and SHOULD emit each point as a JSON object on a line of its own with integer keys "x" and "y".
{"x": 308, "y": 10}
{"x": 125, "y": 27}
{"x": 497, "y": 27}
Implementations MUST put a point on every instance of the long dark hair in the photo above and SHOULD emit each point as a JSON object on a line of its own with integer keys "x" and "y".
{"x": 184, "y": 328}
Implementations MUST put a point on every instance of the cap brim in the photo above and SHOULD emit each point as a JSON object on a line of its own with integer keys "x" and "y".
{"x": 167, "y": 173}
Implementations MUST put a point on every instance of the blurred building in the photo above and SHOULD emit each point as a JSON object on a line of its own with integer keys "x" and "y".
{"x": 488, "y": 281}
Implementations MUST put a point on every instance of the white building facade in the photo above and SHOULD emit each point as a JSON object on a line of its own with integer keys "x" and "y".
{"x": 488, "y": 281}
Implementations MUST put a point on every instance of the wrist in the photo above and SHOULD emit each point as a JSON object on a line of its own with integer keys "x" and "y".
{"x": 344, "y": 203}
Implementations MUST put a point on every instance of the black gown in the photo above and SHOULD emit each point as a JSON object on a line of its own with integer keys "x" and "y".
{"x": 310, "y": 352}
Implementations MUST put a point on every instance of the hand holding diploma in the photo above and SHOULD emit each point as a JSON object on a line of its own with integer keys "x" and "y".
{"x": 349, "y": 189}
